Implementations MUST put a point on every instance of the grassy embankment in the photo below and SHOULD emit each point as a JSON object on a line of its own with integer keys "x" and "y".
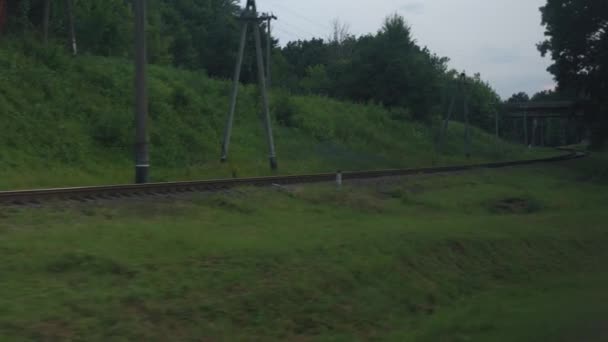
{"x": 68, "y": 121}
{"x": 492, "y": 255}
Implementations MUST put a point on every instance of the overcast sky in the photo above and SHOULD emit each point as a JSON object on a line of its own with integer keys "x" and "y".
{"x": 496, "y": 38}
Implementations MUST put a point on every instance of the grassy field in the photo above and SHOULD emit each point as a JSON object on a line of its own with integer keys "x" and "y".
{"x": 69, "y": 121}
{"x": 491, "y": 255}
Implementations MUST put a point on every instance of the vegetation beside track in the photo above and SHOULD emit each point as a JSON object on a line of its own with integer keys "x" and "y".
{"x": 501, "y": 255}
{"x": 69, "y": 121}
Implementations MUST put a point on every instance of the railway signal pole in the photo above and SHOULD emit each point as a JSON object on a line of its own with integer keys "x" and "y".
{"x": 250, "y": 17}
{"x": 142, "y": 161}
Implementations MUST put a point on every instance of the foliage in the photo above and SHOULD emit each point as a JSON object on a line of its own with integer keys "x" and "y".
{"x": 519, "y": 97}
{"x": 284, "y": 110}
{"x": 416, "y": 259}
{"x": 577, "y": 39}
{"x": 388, "y": 67}
{"x": 69, "y": 121}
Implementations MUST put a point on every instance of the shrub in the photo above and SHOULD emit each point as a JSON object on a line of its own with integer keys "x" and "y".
{"x": 284, "y": 110}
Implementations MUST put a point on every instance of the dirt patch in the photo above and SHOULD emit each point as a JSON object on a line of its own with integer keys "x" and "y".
{"x": 514, "y": 206}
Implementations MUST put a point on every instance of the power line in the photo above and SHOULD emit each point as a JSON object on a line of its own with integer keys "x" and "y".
{"x": 302, "y": 17}
{"x": 301, "y": 30}
{"x": 289, "y": 33}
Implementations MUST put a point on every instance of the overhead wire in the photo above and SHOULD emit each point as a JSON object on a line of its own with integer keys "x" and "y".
{"x": 315, "y": 25}
{"x": 299, "y": 15}
{"x": 289, "y": 33}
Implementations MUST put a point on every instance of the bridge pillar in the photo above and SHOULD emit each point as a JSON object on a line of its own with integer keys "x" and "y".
{"x": 526, "y": 141}
{"x": 542, "y": 132}
{"x": 534, "y": 128}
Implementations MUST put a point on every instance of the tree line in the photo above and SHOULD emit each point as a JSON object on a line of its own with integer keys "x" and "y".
{"x": 576, "y": 34}
{"x": 387, "y": 67}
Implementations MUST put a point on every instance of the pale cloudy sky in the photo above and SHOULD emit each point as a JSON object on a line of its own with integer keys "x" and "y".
{"x": 493, "y": 37}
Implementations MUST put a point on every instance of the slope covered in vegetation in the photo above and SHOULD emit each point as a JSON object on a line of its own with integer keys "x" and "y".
{"x": 492, "y": 255}
{"x": 69, "y": 121}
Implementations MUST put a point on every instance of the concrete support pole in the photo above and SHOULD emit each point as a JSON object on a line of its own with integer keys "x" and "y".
{"x": 526, "y": 141}
{"x": 235, "y": 92}
{"x": 496, "y": 128}
{"x": 268, "y": 55}
{"x": 263, "y": 90}
{"x": 542, "y": 132}
{"x": 142, "y": 161}
{"x": 446, "y": 122}
{"x": 564, "y": 129}
{"x": 534, "y": 129}
{"x": 467, "y": 131}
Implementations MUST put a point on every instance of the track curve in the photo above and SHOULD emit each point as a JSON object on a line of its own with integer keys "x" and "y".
{"x": 21, "y": 197}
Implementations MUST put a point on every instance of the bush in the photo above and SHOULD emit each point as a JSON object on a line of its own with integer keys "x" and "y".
{"x": 401, "y": 114}
{"x": 284, "y": 110}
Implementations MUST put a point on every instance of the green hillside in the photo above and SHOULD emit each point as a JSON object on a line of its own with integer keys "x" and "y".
{"x": 69, "y": 121}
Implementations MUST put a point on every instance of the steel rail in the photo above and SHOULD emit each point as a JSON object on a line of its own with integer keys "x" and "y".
{"x": 128, "y": 190}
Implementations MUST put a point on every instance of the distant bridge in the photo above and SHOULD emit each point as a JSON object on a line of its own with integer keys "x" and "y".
{"x": 555, "y": 109}
{"x": 571, "y": 113}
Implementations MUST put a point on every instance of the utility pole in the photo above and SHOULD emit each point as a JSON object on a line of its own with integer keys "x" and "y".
{"x": 269, "y": 51}
{"x": 467, "y": 129}
{"x": 497, "y": 128}
{"x": 142, "y": 161}
{"x": 534, "y": 129}
{"x": 543, "y": 126}
{"x": 249, "y": 16}
{"x": 526, "y": 128}
{"x": 446, "y": 122}
{"x": 462, "y": 93}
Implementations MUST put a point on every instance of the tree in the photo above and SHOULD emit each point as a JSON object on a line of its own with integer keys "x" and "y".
{"x": 519, "y": 97}
{"x": 577, "y": 39}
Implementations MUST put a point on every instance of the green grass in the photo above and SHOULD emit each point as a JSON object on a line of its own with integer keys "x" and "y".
{"x": 425, "y": 258}
{"x": 69, "y": 121}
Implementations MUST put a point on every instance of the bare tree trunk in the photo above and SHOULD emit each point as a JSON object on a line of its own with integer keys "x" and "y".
{"x": 46, "y": 21}
{"x": 70, "y": 10}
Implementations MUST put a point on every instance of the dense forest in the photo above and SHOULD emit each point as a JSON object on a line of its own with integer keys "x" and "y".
{"x": 387, "y": 67}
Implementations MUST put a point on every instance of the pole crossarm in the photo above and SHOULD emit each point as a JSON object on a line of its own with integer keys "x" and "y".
{"x": 254, "y": 16}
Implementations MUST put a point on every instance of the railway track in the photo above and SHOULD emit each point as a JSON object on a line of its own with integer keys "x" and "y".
{"x": 24, "y": 197}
